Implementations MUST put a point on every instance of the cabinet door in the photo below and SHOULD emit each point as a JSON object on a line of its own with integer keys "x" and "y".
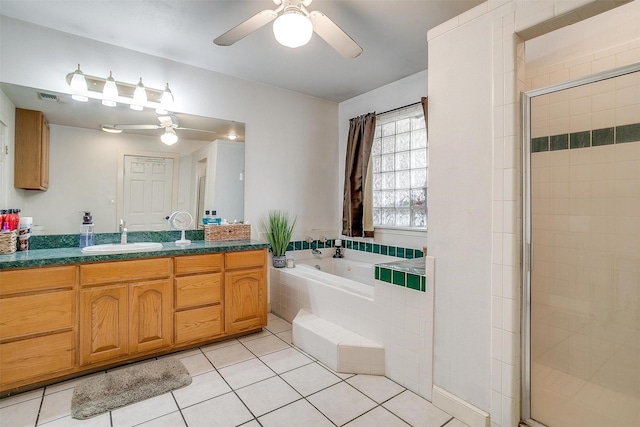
{"x": 245, "y": 300}
{"x": 103, "y": 323}
{"x": 151, "y": 315}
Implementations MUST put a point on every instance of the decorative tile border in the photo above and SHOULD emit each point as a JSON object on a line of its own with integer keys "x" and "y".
{"x": 588, "y": 138}
{"x": 374, "y": 248}
{"x": 401, "y": 278}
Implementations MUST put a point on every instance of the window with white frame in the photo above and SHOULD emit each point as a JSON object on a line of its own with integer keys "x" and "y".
{"x": 400, "y": 160}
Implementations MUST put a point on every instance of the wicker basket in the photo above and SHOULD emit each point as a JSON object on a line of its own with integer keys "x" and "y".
{"x": 8, "y": 242}
{"x": 220, "y": 233}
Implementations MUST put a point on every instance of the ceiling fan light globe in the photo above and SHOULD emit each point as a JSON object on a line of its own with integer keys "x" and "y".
{"x": 169, "y": 137}
{"x": 292, "y": 29}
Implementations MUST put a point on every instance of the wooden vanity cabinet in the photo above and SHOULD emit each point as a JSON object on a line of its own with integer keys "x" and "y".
{"x": 125, "y": 308}
{"x": 245, "y": 290}
{"x": 198, "y": 298}
{"x": 37, "y": 324}
{"x": 31, "y": 168}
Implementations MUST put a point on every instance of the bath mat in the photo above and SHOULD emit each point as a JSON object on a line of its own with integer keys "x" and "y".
{"x": 121, "y": 387}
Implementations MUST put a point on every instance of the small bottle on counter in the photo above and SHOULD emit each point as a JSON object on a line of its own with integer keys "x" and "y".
{"x": 86, "y": 230}
{"x": 24, "y": 233}
{"x": 205, "y": 218}
{"x": 215, "y": 219}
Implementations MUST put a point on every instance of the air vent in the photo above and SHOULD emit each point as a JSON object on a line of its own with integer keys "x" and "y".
{"x": 47, "y": 97}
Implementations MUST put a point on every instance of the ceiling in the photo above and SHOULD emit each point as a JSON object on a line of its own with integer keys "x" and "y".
{"x": 392, "y": 33}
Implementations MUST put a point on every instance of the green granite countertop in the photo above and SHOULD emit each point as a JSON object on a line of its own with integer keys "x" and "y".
{"x": 74, "y": 255}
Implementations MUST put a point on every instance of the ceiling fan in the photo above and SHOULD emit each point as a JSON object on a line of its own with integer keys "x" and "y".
{"x": 168, "y": 123}
{"x": 295, "y": 20}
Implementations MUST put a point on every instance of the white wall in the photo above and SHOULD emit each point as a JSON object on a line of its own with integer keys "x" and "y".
{"x": 291, "y": 154}
{"x": 460, "y": 185}
{"x": 394, "y": 95}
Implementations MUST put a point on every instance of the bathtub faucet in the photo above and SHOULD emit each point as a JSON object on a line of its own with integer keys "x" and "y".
{"x": 338, "y": 253}
{"x": 316, "y": 251}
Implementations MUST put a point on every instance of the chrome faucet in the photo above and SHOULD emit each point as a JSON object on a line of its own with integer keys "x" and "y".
{"x": 316, "y": 251}
{"x": 123, "y": 231}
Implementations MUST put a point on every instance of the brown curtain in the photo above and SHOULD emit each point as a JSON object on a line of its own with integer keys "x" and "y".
{"x": 425, "y": 109}
{"x": 359, "y": 142}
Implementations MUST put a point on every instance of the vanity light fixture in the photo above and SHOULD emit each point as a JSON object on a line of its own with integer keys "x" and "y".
{"x": 112, "y": 92}
{"x": 292, "y": 28}
{"x": 169, "y": 136}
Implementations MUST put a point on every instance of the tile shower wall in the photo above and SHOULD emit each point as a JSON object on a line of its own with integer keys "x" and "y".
{"x": 597, "y": 114}
{"x": 586, "y": 284}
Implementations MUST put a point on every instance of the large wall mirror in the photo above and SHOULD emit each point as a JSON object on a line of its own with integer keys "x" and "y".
{"x": 130, "y": 175}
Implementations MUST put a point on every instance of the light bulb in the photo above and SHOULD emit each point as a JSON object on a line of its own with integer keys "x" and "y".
{"x": 232, "y": 136}
{"x": 292, "y": 29}
{"x": 169, "y": 136}
{"x": 110, "y": 92}
{"x": 140, "y": 94}
{"x": 166, "y": 102}
{"x": 78, "y": 82}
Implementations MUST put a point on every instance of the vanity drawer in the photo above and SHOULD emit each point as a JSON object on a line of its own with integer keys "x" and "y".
{"x": 36, "y": 279}
{"x": 198, "y": 263}
{"x": 34, "y": 357}
{"x": 246, "y": 259}
{"x": 199, "y": 289}
{"x": 198, "y": 324}
{"x": 125, "y": 271}
{"x": 33, "y": 314}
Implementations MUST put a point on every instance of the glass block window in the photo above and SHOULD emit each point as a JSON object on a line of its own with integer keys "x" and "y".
{"x": 400, "y": 162}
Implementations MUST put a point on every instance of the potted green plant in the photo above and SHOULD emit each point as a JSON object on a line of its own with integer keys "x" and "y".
{"x": 279, "y": 228}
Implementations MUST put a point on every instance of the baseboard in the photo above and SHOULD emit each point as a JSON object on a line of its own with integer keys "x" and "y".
{"x": 465, "y": 412}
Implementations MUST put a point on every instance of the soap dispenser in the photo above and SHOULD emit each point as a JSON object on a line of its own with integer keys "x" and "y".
{"x": 86, "y": 230}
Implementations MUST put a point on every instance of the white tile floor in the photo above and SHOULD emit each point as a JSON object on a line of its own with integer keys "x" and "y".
{"x": 256, "y": 380}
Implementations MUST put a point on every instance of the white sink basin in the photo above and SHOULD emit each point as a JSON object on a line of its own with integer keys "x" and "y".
{"x": 116, "y": 248}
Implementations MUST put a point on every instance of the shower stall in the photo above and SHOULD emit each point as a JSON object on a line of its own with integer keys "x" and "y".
{"x": 581, "y": 252}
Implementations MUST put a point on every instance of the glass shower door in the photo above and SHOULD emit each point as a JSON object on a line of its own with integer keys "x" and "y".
{"x": 584, "y": 358}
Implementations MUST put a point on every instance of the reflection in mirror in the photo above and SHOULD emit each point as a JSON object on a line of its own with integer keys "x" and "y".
{"x": 131, "y": 175}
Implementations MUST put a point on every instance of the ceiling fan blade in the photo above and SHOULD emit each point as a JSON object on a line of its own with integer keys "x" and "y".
{"x": 136, "y": 127}
{"x": 247, "y": 27}
{"x": 197, "y": 130}
{"x": 334, "y": 36}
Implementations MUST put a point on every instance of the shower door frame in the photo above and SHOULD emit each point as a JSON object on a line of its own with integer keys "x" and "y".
{"x": 527, "y": 252}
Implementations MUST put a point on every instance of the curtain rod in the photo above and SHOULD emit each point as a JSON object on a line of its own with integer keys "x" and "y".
{"x": 399, "y": 108}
